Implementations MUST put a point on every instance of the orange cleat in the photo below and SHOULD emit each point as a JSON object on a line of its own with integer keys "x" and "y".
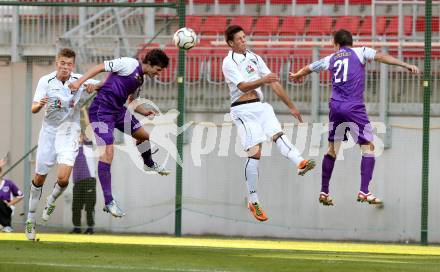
{"x": 305, "y": 166}
{"x": 257, "y": 211}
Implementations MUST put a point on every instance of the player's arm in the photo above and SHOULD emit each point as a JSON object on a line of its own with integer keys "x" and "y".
{"x": 279, "y": 91}
{"x": 317, "y": 66}
{"x": 14, "y": 201}
{"x": 298, "y": 76}
{"x": 37, "y": 106}
{"x": 384, "y": 58}
{"x": 18, "y": 195}
{"x": 88, "y": 75}
{"x": 139, "y": 108}
{"x": 252, "y": 85}
{"x": 40, "y": 97}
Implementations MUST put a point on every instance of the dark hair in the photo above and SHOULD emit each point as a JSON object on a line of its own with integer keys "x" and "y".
{"x": 67, "y": 52}
{"x": 343, "y": 38}
{"x": 231, "y": 31}
{"x": 156, "y": 57}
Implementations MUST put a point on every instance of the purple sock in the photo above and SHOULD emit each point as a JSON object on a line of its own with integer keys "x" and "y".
{"x": 105, "y": 178}
{"x": 145, "y": 150}
{"x": 327, "y": 169}
{"x": 367, "y": 167}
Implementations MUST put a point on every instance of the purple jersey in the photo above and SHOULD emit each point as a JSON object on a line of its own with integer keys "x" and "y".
{"x": 8, "y": 190}
{"x": 347, "y": 67}
{"x": 84, "y": 167}
{"x": 125, "y": 79}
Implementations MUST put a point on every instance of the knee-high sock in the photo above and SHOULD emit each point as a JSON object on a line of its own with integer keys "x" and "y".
{"x": 57, "y": 191}
{"x": 105, "y": 178}
{"x": 251, "y": 175}
{"x": 34, "y": 198}
{"x": 327, "y": 169}
{"x": 145, "y": 150}
{"x": 288, "y": 150}
{"x": 367, "y": 167}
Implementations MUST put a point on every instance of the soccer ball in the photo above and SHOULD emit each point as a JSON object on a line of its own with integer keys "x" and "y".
{"x": 185, "y": 38}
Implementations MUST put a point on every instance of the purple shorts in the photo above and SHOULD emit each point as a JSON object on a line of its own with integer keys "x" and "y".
{"x": 349, "y": 117}
{"x": 104, "y": 121}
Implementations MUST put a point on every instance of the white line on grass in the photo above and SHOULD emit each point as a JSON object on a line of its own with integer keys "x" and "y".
{"x": 116, "y": 267}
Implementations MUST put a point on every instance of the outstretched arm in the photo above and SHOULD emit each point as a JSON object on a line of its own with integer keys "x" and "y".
{"x": 89, "y": 74}
{"x": 393, "y": 61}
{"x": 299, "y": 76}
{"x": 279, "y": 91}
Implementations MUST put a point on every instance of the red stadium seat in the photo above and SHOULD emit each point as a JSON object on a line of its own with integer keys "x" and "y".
{"x": 393, "y": 27}
{"x": 334, "y": 2}
{"x": 320, "y": 25}
{"x": 244, "y": 21}
{"x": 194, "y": 22}
{"x": 215, "y": 65}
{"x": 266, "y": 25}
{"x": 203, "y": 2}
{"x": 350, "y": 23}
{"x": 420, "y": 24}
{"x": 169, "y": 74}
{"x": 196, "y": 59}
{"x": 254, "y": 1}
{"x": 359, "y": 2}
{"x": 293, "y": 25}
{"x": 222, "y": 2}
{"x": 280, "y": 2}
{"x": 276, "y": 58}
{"x": 366, "y": 27}
{"x": 214, "y": 25}
{"x": 306, "y": 2}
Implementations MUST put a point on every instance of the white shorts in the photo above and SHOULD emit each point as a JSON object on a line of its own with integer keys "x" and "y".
{"x": 255, "y": 123}
{"x": 59, "y": 147}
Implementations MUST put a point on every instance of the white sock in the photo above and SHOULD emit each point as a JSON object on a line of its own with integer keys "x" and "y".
{"x": 57, "y": 191}
{"x": 34, "y": 198}
{"x": 251, "y": 174}
{"x": 288, "y": 150}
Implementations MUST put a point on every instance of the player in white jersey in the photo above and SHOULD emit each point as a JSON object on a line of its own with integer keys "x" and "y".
{"x": 59, "y": 134}
{"x": 245, "y": 72}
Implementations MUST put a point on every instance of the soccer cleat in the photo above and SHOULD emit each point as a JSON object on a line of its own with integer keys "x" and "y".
{"x": 7, "y": 229}
{"x": 89, "y": 231}
{"x": 29, "y": 229}
{"x": 305, "y": 166}
{"x": 325, "y": 199}
{"x": 114, "y": 209}
{"x": 75, "y": 230}
{"x": 257, "y": 211}
{"x": 370, "y": 198}
{"x": 161, "y": 170}
{"x": 48, "y": 210}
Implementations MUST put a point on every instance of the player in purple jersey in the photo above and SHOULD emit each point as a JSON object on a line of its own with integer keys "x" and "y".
{"x": 347, "y": 107}
{"x": 10, "y": 195}
{"x": 108, "y": 112}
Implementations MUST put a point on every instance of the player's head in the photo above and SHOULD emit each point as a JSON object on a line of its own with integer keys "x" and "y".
{"x": 65, "y": 62}
{"x": 236, "y": 38}
{"x": 155, "y": 61}
{"x": 342, "y": 38}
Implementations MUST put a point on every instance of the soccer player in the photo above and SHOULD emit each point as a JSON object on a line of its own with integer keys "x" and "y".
{"x": 108, "y": 112}
{"x": 58, "y": 139}
{"x": 10, "y": 195}
{"x": 245, "y": 72}
{"x": 347, "y": 107}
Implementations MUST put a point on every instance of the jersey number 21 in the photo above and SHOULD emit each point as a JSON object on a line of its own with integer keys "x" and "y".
{"x": 339, "y": 65}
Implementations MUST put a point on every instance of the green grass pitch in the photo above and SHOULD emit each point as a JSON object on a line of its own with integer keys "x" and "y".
{"x": 59, "y": 252}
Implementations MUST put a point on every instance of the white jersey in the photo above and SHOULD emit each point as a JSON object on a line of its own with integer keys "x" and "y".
{"x": 238, "y": 68}
{"x": 62, "y": 105}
